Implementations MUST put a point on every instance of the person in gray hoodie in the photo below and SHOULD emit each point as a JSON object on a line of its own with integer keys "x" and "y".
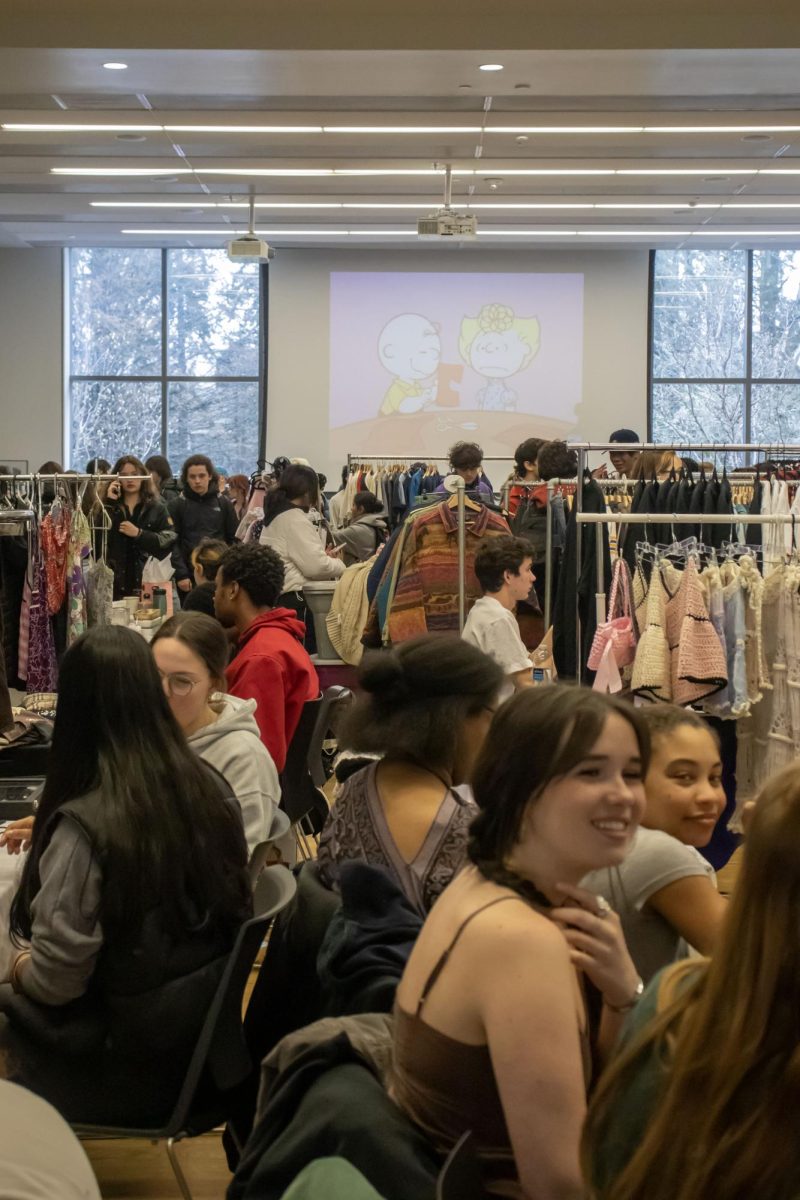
{"x": 366, "y": 530}
{"x": 191, "y": 653}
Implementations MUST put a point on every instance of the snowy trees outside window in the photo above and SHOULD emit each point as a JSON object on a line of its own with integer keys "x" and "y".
{"x": 726, "y": 346}
{"x": 163, "y": 356}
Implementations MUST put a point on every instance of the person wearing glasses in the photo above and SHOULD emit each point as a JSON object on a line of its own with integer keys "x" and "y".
{"x": 191, "y": 654}
{"x": 422, "y": 715}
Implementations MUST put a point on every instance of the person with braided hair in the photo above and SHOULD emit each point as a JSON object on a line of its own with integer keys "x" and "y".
{"x": 516, "y": 987}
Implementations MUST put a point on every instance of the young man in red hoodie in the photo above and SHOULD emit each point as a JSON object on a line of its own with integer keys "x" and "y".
{"x": 271, "y": 665}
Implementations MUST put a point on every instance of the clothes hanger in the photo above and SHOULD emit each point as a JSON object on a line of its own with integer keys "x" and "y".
{"x": 468, "y": 503}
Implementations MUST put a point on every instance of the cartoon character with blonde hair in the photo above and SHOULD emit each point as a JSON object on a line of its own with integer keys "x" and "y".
{"x": 497, "y": 344}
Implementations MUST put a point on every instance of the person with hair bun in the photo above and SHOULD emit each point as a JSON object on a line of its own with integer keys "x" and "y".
{"x": 424, "y": 713}
{"x": 516, "y": 987}
{"x": 205, "y": 560}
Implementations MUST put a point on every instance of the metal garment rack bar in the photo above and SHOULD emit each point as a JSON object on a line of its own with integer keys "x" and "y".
{"x": 601, "y": 519}
{"x": 409, "y": 458}
{"x": 69, "y": 477}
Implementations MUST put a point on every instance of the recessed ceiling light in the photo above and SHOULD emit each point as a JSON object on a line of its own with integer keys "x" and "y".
{"x": 115, "y": 66}
{"x": 131, "y": 137}
{"x": 716, "y": 179}
{"x": 490, "y": 67}
{"x": 756, "y": 137}
{"x": 465, "y": 85}
{"x": 523, "y": 137}
{"x": 522, "y": 87}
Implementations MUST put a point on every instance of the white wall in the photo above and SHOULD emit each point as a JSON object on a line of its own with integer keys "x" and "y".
{"x": 614, "y": 344}
{"x": 31, "y": 337}
{"x": 31, "y": 334}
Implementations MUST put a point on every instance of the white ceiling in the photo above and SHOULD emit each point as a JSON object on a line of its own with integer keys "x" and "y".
{"x": 561, "y": 147}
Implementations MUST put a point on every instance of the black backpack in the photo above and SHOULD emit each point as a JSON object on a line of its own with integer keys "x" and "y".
{"x": 530, "y": 522}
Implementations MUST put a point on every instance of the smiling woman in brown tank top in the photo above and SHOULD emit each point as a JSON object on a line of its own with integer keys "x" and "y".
{"x": 519, "y": 980}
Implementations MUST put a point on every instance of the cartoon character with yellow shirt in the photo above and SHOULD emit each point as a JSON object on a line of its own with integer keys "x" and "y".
{"x": 409, "y": 347}
{"x": 497, "y": 344}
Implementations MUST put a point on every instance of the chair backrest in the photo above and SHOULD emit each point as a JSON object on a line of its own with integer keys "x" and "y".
{"x": 299, "y": 795}
{"x": 460, "y": 1177}
{"x": 221, "y": 1049}
{"x": 335, "y": 701}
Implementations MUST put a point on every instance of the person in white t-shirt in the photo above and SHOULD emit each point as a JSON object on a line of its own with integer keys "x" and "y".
{"x": 664, "y": 890}
{"x": 503, "y": 568}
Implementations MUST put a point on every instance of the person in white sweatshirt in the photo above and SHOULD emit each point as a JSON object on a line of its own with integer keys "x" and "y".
{"x": 191, "y": 653}
{"x": 290, "y": 532}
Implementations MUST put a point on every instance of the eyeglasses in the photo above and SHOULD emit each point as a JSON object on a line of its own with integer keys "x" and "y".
{"x": 178, "y": 685}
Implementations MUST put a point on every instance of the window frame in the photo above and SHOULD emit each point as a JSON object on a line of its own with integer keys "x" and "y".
{"x": 163, "y": 378}
{"x": 746, "y": 381}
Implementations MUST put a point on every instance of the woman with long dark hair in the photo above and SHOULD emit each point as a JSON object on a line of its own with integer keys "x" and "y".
{"x": 288, "y": 530}
{"x": 140, "y": 524}
{"x": 516, "y": 986}
{"x": 702, "y": 1101}
{"x": 130, "y": 898}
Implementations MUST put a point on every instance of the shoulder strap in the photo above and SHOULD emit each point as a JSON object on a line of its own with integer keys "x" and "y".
{"x": 441, "y": 962}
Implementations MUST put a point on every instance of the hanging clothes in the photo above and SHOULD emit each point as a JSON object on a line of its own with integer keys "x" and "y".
{"x": 78, "y": 553}
{"x": 54, "y": 537}
{"x": 574, "y": 580}
{"x": 41, "y": 670}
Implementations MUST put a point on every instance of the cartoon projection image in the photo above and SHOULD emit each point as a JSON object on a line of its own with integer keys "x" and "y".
{"x": 410, "y": 349}
{"x": 498, "y": 345}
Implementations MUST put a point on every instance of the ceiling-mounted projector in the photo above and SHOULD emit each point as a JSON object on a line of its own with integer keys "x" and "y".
{"x": 448, "y": 224}
{"x": 249, "y": 247}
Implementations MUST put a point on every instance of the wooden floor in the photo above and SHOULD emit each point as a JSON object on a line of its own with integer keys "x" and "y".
{"x": 134, "y": 1170}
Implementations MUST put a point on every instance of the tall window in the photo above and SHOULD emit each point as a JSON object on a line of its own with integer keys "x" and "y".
{"x": 725, "y": 349}
{"x": 164, "y": 356}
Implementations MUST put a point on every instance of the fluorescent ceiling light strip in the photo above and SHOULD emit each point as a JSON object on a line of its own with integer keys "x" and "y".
{"x": 565, "y": 129}
{"x": 243, "y": 128}
{"x": 121, "y": 172}
{"x": 51, "y": 128}
{"x": 526, "y": 232}
{"x": 722, "y": 128}
{"x": 401, "y": 128}
{"x": 710, "y": 170}
{"x": 230, "y": 232}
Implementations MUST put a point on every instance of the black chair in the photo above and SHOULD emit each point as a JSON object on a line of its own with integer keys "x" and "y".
{"x": 324, "y": 740}
{"x": 460, "y": 1176}
{"x": 304, "y": 775}
{"x": 221, "y": 1062}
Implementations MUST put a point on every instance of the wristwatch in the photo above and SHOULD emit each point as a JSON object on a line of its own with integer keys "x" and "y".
{"x": 634, "y": 1000}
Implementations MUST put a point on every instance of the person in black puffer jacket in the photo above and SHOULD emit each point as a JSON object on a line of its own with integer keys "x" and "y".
{"x": 199, "y": 512}
{"x": 140, "y": 525}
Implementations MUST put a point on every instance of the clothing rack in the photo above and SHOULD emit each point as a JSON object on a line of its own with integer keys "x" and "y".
{"x": 69, "y": 476}
{"x": 584, "y": 448}
{"x": 601, "y": 519}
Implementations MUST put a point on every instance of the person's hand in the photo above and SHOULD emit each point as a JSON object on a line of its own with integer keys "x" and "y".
{"x": 17, "y": 835}
{"x": 597, "y": 946}
{"x": 114, "y": 490}
{"x": 601, "y": 472}
{"x": 184, "y": 585}
{"x": 334, "y": 551}
{"x": 129, "y": 529}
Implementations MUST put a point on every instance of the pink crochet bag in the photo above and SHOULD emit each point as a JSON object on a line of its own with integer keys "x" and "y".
{"x": 614, "y": 643}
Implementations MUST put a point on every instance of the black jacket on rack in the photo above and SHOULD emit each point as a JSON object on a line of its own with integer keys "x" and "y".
{"x": 583, "y": 581}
